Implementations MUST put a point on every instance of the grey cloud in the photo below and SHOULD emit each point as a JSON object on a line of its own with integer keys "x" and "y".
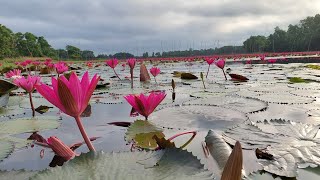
{"x": 141, "y": 25}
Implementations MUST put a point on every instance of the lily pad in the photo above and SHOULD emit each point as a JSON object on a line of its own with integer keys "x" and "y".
{"x": 188, "y": 76}
{"x": 297, "y": 80}
{"x": 23, "y": 125}
{"x": 4, "y": 99}
{"x": 6, "y": 148}
{"x": 11, "y": 111}
{"x": 142, "y": 132}
{"x": 164, "y": 164}
{"x": 200, "y": 117}
{"x": 291, "y": 144}
{"x": 246, "y": 105}
{"x": 285, "y": 98}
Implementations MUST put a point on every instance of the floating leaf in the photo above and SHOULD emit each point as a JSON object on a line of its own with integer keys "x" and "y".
{"x": 4, "y": 99}
{"x": 23, "y": 125}
{"x": 164, "y": 164}
{"x": 291, "y": 144}
{"x": 188, "y": 76}
{"x": 6, "y": 87}
{"x": 6, "y": 148}
{"x": 246, "y": 105}
{"x": 200, "y": 117}
{"x": 297, "y": 80}
{"x": 142, "y": 132}
{"x": 42, "y": 109}
{"x": 285, "y": 98}
{"x": 16, "y": 175}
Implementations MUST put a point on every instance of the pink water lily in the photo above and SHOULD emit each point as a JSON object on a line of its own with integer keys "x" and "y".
{"x": 61, "y": 67}
{"x": 60, "y": 149}
{"x": 28, "y": 84}
{"x": 16, "y": 73}
{"x": 131, "y": 63}
{"x": 220, "y": 64}
{"x": 155, "y": 71}
{"x": 113, "y": 63}
{"x": 272, "y": 61}
{"x": 145, "y": 105}
{"x": 71, "y": 97}
{"x": 209, "y": 60}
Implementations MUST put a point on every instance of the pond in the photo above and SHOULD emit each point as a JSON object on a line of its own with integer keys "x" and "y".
{"x": 268, "y": 112}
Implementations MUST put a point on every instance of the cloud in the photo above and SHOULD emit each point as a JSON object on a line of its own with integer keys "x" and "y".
{"x": 145, "y": 25}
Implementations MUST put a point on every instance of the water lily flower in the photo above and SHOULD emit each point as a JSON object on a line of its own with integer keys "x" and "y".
{"x": 61, "y": 67}
{"x": 28, "y": 84}
{"x": 131, "y": 63}
{"x": 60, "y": 149}
{"x": 272, "y": 61}
{"x": 155, "y": 71}
{"x": 220, "y": 64}
{"x": 145, "y": 105}
{"x": 209, "y": 61}
{"x": 71, "y": 97}
{"x": 113, "y": 63}
{"x": 14, "y": 74}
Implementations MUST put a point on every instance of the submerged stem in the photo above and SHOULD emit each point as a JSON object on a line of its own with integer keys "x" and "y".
{"x": 155, "y": 80}
{"x": 84, "y": 134}
{"x": 116, "y": 74}
{"x": 208, "y": 71}
{"x": 31, "y": 103}
{"x": 224, "y": 74}
{"x": 131, "y": 72}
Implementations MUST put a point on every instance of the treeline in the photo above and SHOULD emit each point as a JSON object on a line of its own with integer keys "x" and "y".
{"x": 304, "y": 36}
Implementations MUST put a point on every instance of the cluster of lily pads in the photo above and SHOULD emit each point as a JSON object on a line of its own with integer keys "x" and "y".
{"x": 190, "y": 125}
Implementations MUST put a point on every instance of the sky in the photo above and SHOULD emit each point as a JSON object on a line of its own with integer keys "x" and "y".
{"x": 137, "y": 26}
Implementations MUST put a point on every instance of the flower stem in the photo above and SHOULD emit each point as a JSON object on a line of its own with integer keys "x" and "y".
{"x": 31, "y": 103}
{"x": 131, "y": 72}
{"x": 84, "y": 134}
{"x": 155, "y": 80}
{"x": 208, "y": 71}
{"x": 224, "y": 74}
{"x": 116, "y": 74}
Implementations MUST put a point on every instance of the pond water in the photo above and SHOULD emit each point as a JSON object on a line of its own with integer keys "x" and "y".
{"x": 224, "y": 106}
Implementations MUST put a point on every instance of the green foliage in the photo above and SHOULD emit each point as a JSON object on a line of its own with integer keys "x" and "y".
{"x": 297, "y": 80}
{"x": 304, "y": 36}
{"x": 312, "y": 66}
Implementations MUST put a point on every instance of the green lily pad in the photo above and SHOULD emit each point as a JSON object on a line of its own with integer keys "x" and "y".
{"x": 11, "y": 111}
{"x": 297, "y": 80}
{"x": 23, "y": 125}
{"x": 16, "y": 175}
{"x": 4, "y": 99}
{"x": 6, "y": 148}
{"x": 165, "y": 164}
{"x": 142, "y": 132}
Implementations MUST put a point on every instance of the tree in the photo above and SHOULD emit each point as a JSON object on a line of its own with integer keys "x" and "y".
{"x": 86, "y": 54}
{"x": 7, "y": 42}
{"x": 73, "y": 52}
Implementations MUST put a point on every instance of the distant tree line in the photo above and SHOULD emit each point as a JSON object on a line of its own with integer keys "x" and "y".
{"x": 304, "y": 36}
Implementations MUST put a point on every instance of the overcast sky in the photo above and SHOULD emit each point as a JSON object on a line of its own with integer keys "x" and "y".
{"x": 139, "y": 25}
